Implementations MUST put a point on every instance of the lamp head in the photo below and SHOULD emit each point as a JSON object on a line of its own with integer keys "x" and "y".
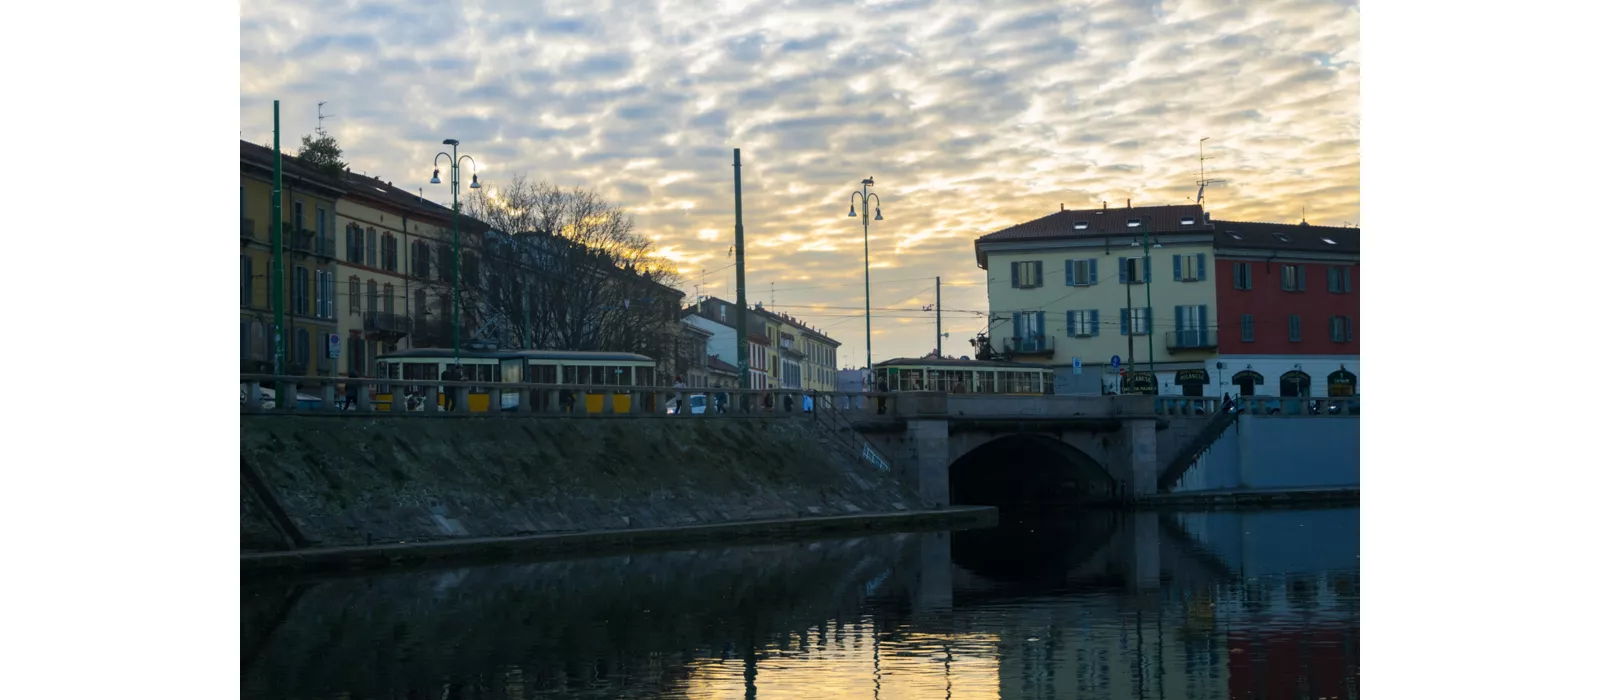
{"x": 475, "y": 184}
{"x": 879, "y": 216}
{"x": 435, "y": 179}
{"x": 852, "y": 209}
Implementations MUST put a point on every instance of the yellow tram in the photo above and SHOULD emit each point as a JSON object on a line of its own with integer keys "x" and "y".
{"x": 964, "y": 376}
{"x": 625, "y": 371}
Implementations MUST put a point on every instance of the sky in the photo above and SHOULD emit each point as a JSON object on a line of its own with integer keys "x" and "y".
{"x": 970, "y": 117}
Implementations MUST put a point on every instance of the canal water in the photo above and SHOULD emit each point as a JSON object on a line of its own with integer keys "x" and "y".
{"x": 1226, "y": 605}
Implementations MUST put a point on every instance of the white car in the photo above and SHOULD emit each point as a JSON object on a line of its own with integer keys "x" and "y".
{"x": 697, "y": 405}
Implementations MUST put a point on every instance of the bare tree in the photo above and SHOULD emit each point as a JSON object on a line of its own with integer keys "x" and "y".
{"x": 566, "y": 269}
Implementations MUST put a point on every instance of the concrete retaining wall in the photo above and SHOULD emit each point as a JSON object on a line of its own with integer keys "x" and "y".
{"x": 344, "y": 479}
{"x": 1281, "y": 452}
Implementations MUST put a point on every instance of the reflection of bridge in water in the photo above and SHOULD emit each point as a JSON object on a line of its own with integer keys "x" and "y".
{"x": 1094, "y": 605}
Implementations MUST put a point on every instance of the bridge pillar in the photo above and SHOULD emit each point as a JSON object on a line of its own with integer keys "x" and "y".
{"x": 928, "y": 469}
{"x": 1143, "y": 466}
{"x": 934, "y": 592}
{"x": 1146, "y": 555}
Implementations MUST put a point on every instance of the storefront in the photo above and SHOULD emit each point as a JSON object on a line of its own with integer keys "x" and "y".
{"x": 1192, "y": 381}
{"x": 1342, "y": 383}
{"x": 1247, "y": 381}
{"x": 1139, "y": 383}
{"x": 1294, "y": 384}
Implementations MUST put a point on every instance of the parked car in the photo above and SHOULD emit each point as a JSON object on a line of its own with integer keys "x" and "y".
{"x": 697, "y": 405}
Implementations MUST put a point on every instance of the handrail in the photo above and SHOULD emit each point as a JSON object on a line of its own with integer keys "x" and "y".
{"x": 1190, "y": 453}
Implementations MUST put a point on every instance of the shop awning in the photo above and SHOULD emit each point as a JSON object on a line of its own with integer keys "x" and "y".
{"x": 1192, "y": 376}
{"x": 1248, "y": 376}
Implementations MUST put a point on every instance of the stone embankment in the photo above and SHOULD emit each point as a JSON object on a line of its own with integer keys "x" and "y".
{"x": 310, "y": 482}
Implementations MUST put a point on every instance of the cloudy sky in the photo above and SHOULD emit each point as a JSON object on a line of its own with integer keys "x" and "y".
{"x": 970, "y": 115}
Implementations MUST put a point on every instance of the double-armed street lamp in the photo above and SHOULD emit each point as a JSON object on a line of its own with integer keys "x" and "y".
{"x": 866, "y": 252}
{"x": 455, "y": 207}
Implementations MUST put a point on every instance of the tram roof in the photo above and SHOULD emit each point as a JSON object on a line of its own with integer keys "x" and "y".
{"x": 577, "y": 355}
{"x": 957, "y": 364}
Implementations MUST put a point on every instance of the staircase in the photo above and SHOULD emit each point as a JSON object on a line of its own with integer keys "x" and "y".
{"x": 836, "y": 427}
{"x": 1186, "y": 457}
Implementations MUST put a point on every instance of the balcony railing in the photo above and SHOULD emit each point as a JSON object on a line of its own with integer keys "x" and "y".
{"x": 385, "y": 323}
{"x": 1192, "y": 339}
{"x": 1031, "y": 345}
{"x": 306, "y": 241}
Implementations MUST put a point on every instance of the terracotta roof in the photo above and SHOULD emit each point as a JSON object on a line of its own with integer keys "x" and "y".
{"x": 1105, "y": 222}
{"x": 717, "y": 365}
{"x": 261, "y": 156}
{"x": 1290, "y": 237}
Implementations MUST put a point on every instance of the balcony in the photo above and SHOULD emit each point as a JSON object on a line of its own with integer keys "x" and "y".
{"x": 1192, "y": 339}
{"x": 307, "y": 242}
{"x": 385, "y": 326}
{"x": 247, "y": 232}
{"x": 1031, "y": 345}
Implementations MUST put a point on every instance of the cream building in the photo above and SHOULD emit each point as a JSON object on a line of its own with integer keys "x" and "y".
{"x": 1075, "y": 284}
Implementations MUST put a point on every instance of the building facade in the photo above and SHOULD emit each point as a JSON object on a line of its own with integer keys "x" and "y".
{"x": 1290, "y": 295}
{"x": 310, "y": 265}
{"x": 694, "y": 362}
{"x": 1078, "y": 284}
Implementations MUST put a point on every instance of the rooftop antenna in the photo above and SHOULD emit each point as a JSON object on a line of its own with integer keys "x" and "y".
{"x": 1200, "y": 196}
{"x": 320, "y": 117}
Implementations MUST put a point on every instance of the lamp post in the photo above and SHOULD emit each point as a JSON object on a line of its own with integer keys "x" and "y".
{"x": 866, "y": 251}
{"x": 455, "y": 208}
{"x": 1149, "y": 321}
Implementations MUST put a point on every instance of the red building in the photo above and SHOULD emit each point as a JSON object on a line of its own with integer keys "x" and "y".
{"x": 1289, "y": 305}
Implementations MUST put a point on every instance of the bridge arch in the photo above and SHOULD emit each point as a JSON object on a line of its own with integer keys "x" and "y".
{"x": 1026, "y": 470}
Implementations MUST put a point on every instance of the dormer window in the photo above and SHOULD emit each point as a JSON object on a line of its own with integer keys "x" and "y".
{"x": 1329, "y": 241}
{"x": 1186, "y": 221}
{"x": 1134, "y": 223}
{"x": 1236, "y": 235}
{"x": 1080, "y": 225}
{"x": 1283, "y": 237}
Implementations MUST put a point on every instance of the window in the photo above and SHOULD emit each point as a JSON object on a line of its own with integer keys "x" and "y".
{"x": 1186, "y": 221}
{"x": 1189, "y": 268}
{"x": 1083, "y": 273}
{"x": 323, "y": 350}
{"x": 355, "y": 295}
{"x": 1083, "y": 324}
{"x": 1192, "y": 327}
{"x": 1339, "y": 329}
{"x": 1247, "y": 329}
{"x": 419, "y": 259}
{"x": 244, "y": 339}
{"x": 390, "y": 252}
{"x": 372, "y": 246}
{"x": 420, "y": 308}
{"x": 299, "y": 217}
{"x": 469, "y": 267}
{"x": 388, "y": 298}
{"x": 300, "y": 292}
{"x": 1235, "y": 235}
{"x": 1338, "y": 279}
{"x": 1134, "y": 223}
{"x": 1241, "y": 276}
{"x": 1293, "y": 278}
{"x": 1139, "y": 324}
{"x": 1294, "y": 328}
{"x": 1027, "y": 275}
{"x": 247, "y": 281}
{"x": 372, "y": 296}
{"x": 1130, "y": 271}
{"x": 325, "y": 294}
{"x": 1080, "y": 225}
{"x": 322, "y": 227}
{"x": 358, "y": 356}
{"x": 353, "y": 243}
{"x": 1282, "y": 237}
{"x": 1028, "y": 324}
{"x": 302, "y": 348}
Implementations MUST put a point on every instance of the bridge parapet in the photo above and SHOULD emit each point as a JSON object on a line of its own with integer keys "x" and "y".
{"x": 981, "y": 406}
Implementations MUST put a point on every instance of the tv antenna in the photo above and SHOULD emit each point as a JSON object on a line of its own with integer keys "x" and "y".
{"x": 320, "y": 117}
{"x": 1200, "y": 196}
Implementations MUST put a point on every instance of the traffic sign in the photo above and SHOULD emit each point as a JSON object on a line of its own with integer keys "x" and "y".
{"x": 1116, "y": 362}
{"x": 333, "y": 346}
{"x": 1077, "y": 365}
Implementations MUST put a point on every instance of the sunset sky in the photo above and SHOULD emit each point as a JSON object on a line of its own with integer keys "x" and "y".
{"x": 971, "y": 116}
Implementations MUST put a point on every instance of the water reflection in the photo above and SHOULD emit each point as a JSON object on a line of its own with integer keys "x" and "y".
{"x": 1195, "y": 605}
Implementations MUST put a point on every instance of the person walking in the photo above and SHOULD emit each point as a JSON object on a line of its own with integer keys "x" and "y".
{"x": 350, "y": 389}
{"x": 452, "y": 374}
{"x": 680, "y": 397}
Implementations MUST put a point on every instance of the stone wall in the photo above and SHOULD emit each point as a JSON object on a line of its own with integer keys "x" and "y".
{"x": 348, "y": 480}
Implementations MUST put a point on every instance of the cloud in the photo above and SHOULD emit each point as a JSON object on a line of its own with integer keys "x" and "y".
{"x": 969, "y": 119}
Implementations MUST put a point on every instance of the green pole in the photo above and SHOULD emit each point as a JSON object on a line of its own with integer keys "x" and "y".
{"x": 866, "y": 268}
{"x": 278, "y": 364}
{"x": 455, "y": 270}
{"x": 1151, "y": 336}
{"x": 738, "y": 247}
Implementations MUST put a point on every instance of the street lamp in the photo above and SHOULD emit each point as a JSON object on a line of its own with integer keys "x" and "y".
{"x": 866, "y": 252}
{"x": 455, "y": 208}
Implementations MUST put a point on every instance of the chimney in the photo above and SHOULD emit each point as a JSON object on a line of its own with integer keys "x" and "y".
{"x": 1130, "y": 202}
{"x": 1063, "y": 206}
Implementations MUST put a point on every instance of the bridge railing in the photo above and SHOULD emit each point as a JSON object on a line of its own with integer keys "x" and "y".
{"x": 1260, "y": 405}
{"x": 259, "y": 393}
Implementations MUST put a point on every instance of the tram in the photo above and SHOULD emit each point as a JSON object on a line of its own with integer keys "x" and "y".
{"x": 964, "y": 376}
{"x": 625, "y": 371}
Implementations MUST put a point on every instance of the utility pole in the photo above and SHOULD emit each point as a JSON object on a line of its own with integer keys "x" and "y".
{"x": 1130, "y": 264}
{"x": 278, "y": 365}
{"x": 738, "y": 262}
{"x": 938, "y": 320}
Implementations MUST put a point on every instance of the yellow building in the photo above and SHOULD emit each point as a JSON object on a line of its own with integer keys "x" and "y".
{"x": 1074, "y": 284}
{"x": 802, "y": 357}
{"x": 310, "y": 265}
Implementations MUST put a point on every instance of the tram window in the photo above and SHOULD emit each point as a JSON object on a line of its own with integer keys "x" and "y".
{"x": 542, "y": 374}
{"x": 511, "y": 372}
{"x": 646, "y": 376}
{"x": 985, "y": 383}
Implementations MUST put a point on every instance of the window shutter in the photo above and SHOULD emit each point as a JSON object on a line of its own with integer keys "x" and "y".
{"x": 1072, "y": 323}
{"x": 1149, "y": 321}
{"x": 350, "y": 245}
{"x": 1016, "y": 322}
{"x": 1038, "y": 320}
{"x": 1300, "y": 279}
{"x": 1094, "y": 271}
{"x": 1069, "y": 273}
{"x": 1177, "y": 268}
{"x": 1200, "y": 266}
{"x": 1016, "y": 281}
{"x": 244, "y": 340}
{"x": 1294, "y": 327}
{"x": 1094, "y": 322}
{"x": 1122, "y": 270}
{"x": 1124, "y": 313}
{"x": 1203, "y": 326}
{"x": 1177, "y": 313}
{"x": 1333, "y": 328}
{"x": 1147, "y": 269}
{"x": 1246, "y": 328}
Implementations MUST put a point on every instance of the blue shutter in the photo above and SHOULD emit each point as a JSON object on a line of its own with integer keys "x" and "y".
{"x": 1122, "y": 270}
{"x": 1124, "y": 313}
{"x": 1016, "y": 324}
{"x": 1177, "y": 314}
{"x": 1177, "y": 268}
{"x": 1094, "y": 271}
{"x": 1094, "y": 322}
{"x": 1200, "y": 266}
{"x": 1072, "y": 324}
{"x": 1014, "y": 278}
{"x": 1202, "y": 334}
{"x": 1069, "y": 273}
{"x": 1333, "y": 328}
{"x": 1247, "y": 331}
{"x": 1300, "y": 279}
{"x": 1147, "y": 269}
{"x": 1038, "y": 328}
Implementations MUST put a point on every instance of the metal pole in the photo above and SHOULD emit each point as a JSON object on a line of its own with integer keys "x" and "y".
{"x": 1151, "y": 336}
{"x": 866, "y": 259}
{"x": 1128, "y": 274}
{"x": 738, "y": 246}
{"x": 455, "y": 206}
{"x": 938, "y": 320}
{"x": 278, "y": 276}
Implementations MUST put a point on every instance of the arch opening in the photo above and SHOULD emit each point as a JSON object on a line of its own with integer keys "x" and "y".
{"x": 1028, "y": 471}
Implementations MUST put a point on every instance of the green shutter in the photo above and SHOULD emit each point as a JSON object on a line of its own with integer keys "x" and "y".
{"x": 1094, "y": 322}
{"x": 1124, "y": 313}
{"x": 1069, "y": 273}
